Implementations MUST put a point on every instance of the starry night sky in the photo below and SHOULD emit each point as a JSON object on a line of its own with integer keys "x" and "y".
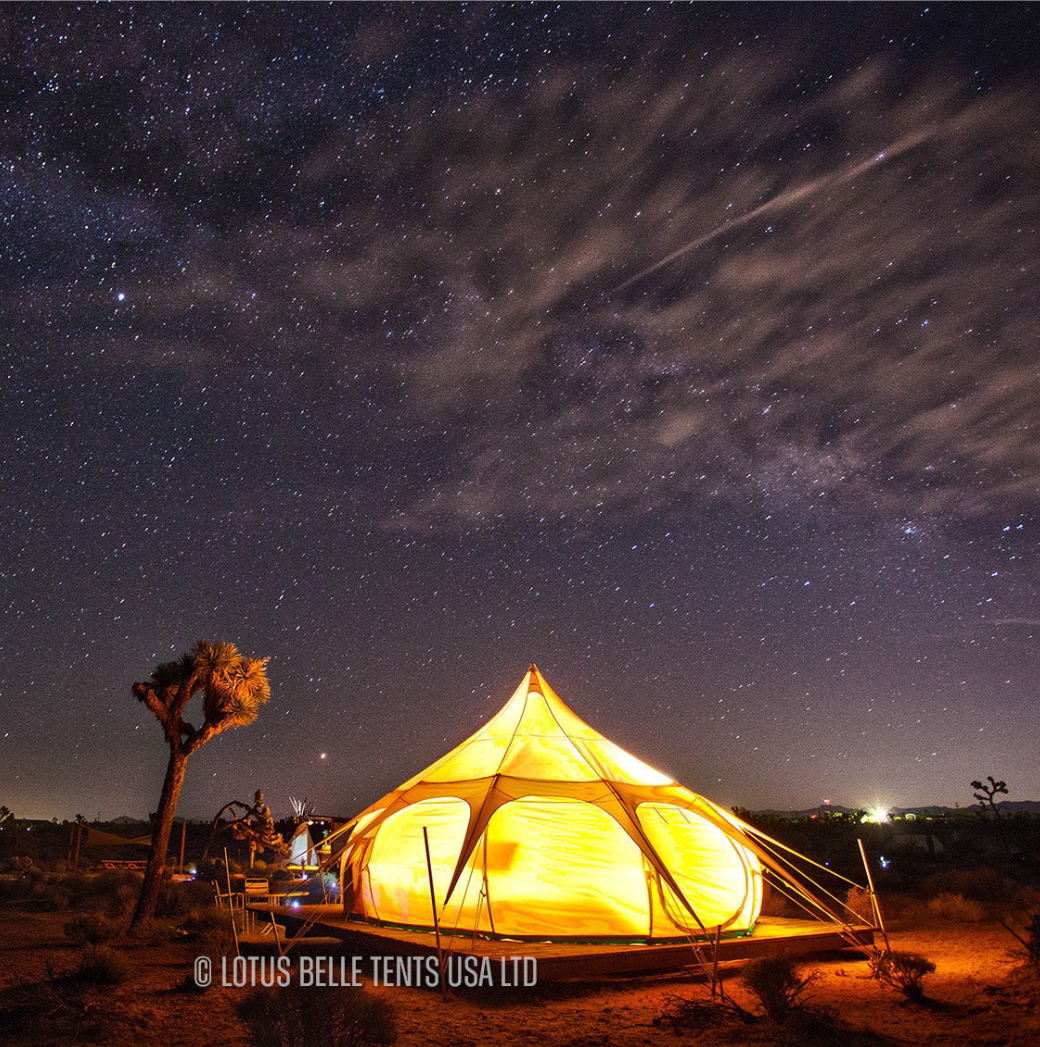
{"x": 689, "y": 352}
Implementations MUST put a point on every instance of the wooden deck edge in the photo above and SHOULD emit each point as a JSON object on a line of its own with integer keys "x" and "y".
{"x": 581, "y": 962}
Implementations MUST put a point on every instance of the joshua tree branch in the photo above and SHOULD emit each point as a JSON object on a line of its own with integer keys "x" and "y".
{"x": 144, "y": 692}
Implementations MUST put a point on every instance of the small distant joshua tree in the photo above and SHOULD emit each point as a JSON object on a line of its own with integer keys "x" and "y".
{"x": 986, "y": 791}
{"x": 233, "y": 687}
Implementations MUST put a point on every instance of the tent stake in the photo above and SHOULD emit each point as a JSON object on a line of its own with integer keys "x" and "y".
{"x": 873, "y": 898}
{"x": 436, "y": 923}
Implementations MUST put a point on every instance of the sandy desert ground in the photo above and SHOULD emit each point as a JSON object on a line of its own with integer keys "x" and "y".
{"x": 980, "y": 994}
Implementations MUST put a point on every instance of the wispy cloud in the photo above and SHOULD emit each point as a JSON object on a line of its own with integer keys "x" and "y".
{"x": 597, "y": 296}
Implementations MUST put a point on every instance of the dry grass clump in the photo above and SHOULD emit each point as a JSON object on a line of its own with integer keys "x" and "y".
{"x": 983, "y": 885}
{"x": 858, "y": 902}
{"x": 91, "y": 927}
{"x": 64, "y": 1007}
{"x": 957, "y": 908}
{"x": 322, "y": 1017}
{"x": 48, "y": 1011}
{"x": 103, "y": 965}
{"x": 209, "y": 929}
{"x": 689, "y": 1014}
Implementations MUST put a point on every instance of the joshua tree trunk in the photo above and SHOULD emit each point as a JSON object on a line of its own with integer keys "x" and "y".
{"x": 233, "y": 688}
{"x": 160, "y": 838}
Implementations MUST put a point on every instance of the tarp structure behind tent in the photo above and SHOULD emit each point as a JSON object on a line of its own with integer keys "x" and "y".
{"x": 539, "y": 827}
{"x": 97, "y": 838}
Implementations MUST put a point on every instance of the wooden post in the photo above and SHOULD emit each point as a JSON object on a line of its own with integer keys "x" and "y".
{"x": 716, "y": 985}
{"x": 875, "y": 907}
{"x": 436, "y": 923}
{"x": 72, "y": 836}
{"x": 230, "y": 902}
{"x": 277, "y": 936}
{"x": 184, "y": 831}
{"x": 79, "y": 837}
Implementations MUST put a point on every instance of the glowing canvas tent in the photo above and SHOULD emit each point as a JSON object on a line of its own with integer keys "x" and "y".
{"x": 539, "y": 827}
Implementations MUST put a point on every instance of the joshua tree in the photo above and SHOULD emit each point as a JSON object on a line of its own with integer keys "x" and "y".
{"x": 233, "y": 688}
{"x": 985, "y": 793}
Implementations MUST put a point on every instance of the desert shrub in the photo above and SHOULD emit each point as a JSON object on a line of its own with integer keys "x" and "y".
{"x": 775, "y": 903}
{"x": 52, "y": 898}
{"x": 349, "y": 1017}
{"x": 1026, "y": 899}
{"x": 17, "y": 863}
{"x": 1031, "y": 939}
{"x": 202, "y": 918}
{"x": 217, "y": 941}
{"x": 122, "y": 901}
{"x": 75, "y": 883}
{"x": 859, "y": 903}
{"x": 209, "y": 929}
{"x": 102, "y": 965}
{"x": 113, "y": 891}
{"x": 903, "y": 906}
{"x": 52, "y": 1010}
{"x": 91, "y": 927}
{"x": 977, "y": 885}
{"x": 777, "y": 984}
{"x": 908, "y": 972}
{"x": 43, "y": 892}
{"x": 179, "y": 899}
{"x": 155, "y": 931}
{"x": 690, "y": 1014}
{"x": 212, "y": 871}
{"x": 957, "y": 908}
{"x": 14, "y": 889}
{"x": 1029, "y": 936}
{"x": 904, "y": 971}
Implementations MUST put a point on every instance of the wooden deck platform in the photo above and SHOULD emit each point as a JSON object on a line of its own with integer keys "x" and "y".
{"x": 558, "y": 961}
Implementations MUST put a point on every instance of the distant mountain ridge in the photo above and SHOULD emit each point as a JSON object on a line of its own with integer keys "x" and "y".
{"x": 929, "y": 811}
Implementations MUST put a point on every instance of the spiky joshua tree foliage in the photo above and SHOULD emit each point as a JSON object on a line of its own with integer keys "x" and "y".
{"x": 232, "y": 687}
{"x": 986, "y": 793}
